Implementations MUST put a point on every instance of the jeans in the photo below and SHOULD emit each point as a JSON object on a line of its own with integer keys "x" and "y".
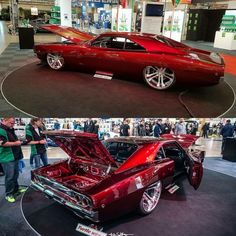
{"x": 11, "y": 170}
{"x": 31, "y": 159}
{"x": 43, "y": 157}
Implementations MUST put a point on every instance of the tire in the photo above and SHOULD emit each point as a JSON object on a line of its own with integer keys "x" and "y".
{"x": 159, "y": 78}
{"x": 150, "y": 198}
{"x": 55, "y": 61}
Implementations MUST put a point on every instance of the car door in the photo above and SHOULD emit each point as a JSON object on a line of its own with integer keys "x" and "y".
{"x": 111, "y": 54}
{"x": 185, "y": 161}
{"x": 195, "y": 169}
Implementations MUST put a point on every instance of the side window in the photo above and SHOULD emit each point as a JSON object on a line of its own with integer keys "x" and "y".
{"x": 125, "y": 150}
{"x": 172, "y": 150}
{"x": 118, "y": 43}
{"x": 130, "y": 45}
{"x": 160, "y": 154}
{"x": 102, "y": 42}
{"x": 112, "y": 148}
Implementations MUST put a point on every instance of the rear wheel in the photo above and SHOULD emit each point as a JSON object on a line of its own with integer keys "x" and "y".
{"x": 150, "y": 198}
{"x": 55, "y": 61}
{"x": 159, "y": 78}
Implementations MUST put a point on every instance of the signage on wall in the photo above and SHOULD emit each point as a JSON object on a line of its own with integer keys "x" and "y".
{"x": 124, "y": 19}
{"x": 34, "y": 11}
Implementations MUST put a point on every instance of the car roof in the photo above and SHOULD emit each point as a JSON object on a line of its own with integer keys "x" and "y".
{"x": 151, "y": 42}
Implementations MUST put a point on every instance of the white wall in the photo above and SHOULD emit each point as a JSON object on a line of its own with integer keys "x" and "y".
{"x": 65, "y": 6}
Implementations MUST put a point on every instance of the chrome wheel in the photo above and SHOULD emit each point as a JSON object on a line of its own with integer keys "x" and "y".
{"x": 159, "y": 78}
{"x": 150, "y": 198}
{"x": 55, "y": 61}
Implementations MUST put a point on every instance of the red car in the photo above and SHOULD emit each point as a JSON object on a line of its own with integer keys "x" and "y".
{"x": 100, "y": 181}
{"x": 160, "y": 61}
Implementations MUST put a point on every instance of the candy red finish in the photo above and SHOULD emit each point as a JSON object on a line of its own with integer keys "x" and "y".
{"x": 111, "y": 187}
{"x": 131, "y": 63}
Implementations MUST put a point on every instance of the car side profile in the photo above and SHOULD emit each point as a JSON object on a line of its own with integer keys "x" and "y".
{"x": 117, "y": 175}
{"x": 159, "y": 61}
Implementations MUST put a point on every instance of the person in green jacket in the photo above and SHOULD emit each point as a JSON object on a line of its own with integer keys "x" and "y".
{"x": 10, "y": 154}
{"x": 37, "y": 140}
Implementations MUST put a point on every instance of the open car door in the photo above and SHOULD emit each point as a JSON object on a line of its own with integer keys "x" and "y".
{"x": 195, "y": 169}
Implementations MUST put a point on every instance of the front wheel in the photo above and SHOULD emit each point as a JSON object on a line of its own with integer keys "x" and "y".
{"x": 159, "y": 78}
{"x": 55, "y": 61}
{"x": 150, "y": 198}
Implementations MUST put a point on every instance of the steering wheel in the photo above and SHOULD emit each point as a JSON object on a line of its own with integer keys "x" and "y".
{"x": 103, "y": 44}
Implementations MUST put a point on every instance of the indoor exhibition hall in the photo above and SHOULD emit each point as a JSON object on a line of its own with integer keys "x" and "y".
{"x": 169, "y": 169}
{"x": 122, "y": 175}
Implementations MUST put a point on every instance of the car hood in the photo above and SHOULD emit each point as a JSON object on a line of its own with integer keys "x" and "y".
{"x": 185, "y": 140}
{"x": 69, "y": 33}
{"x": 84, "y": 146}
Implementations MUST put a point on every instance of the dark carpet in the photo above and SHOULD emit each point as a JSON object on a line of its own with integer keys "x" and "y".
{"x": 209, "y": 101}
{"x": 42, "y": 92}
{"x": 208, "y": 211}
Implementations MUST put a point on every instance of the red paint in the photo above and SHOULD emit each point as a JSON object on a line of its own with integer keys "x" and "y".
{"x": 130, "y": 63}
{"x": 111, "y": 187}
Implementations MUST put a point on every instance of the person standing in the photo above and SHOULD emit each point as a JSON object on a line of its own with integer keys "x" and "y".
{"x": 167, "y": 127}
{"x": 227, "y": 131}
{"x": 96, "y": 127}
{"x": 141, "y": 129}
{"x": 56, "y": 125}
{"x": 158, "y": 128}
{"x": 10, "y": 154}
{"x": 180, "y": 127}
{"x": 205, "y": 129}
{"x": 125, "y": 128}
{"x": 36, "y": 139}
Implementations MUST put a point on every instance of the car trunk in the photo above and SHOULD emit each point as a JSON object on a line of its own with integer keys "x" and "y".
{"x": 88, "y": 164}
{"x": 73, "y": 174}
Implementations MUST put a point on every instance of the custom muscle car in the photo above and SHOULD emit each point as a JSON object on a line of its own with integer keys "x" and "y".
{"x": 158, "y": 60}
{"x": 102, "y": 180}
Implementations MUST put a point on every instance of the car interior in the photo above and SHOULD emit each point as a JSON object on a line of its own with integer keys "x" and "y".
{"x": 175, "y": 153}
{"x": 119, "y": 151}
{"x": 117, "y": 43}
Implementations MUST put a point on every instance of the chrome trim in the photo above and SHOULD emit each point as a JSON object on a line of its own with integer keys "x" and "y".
{"x": 56, "y": 195}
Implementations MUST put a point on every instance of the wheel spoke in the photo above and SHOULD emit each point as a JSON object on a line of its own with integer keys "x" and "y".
{"x": 150, "y": 77}
{"x": 159, "y": 78}
{"x": 55, "y": 61}
{"x": 151, "y": 197}
{"x": 168, "y": 76}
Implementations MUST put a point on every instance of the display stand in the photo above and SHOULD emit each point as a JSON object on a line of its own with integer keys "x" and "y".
{"x": 229, "y": 152}
{"x": 225, "y": 40}
{"x": 26, "y": 38}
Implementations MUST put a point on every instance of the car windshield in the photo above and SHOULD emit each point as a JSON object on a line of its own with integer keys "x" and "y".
{"x": 120, "y": 151}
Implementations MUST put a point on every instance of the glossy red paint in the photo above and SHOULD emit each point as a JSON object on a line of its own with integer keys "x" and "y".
{"x": 190, "y": 66}
{"x": 95, "y": 186}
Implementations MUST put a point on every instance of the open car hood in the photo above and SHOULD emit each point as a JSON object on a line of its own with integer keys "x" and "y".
{"x": 83, "y": 146}
{"x": 69, "y": 33}
{"x": 185, "y": 140}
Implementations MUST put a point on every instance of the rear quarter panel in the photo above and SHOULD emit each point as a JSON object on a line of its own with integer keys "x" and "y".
{"x": 122, "y": 192}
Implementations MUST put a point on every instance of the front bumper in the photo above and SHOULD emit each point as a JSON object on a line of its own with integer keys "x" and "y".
{"x": 66, "y": 201}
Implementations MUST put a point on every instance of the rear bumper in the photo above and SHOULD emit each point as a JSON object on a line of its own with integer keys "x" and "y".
{"x": 55, "y": 195}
